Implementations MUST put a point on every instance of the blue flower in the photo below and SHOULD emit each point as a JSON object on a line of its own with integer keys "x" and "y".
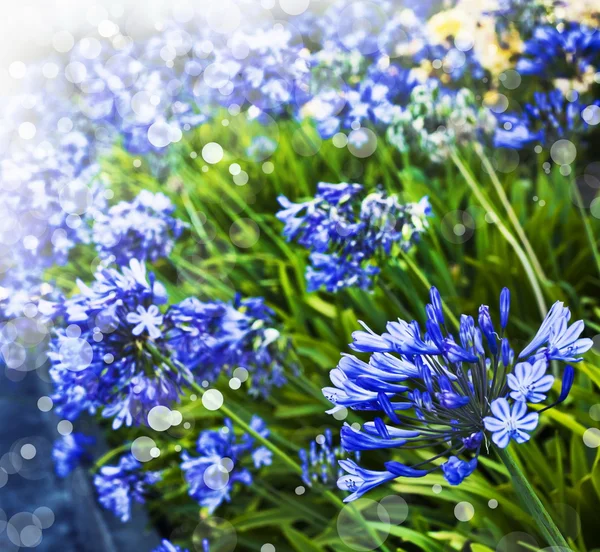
{"x": 555, "y": 340}
{"x": 359, "y": 481}
{"x": 212, "y": 475}
{"x": 456, "y": 470}
{"x": 510, "y": 423}
{"x": 529, "y": 382}
{"x": 345, "y": 233}
{"x": 143, "y": 229}
{"x": 118, "y": 486}
{"x": 68, "y": 451}
{"x": 433, "y": 390}
{"x": 567, "y": 51}
{"x": 214, "y": 337}
{"x": 548, "y": 118}
{"x": 110, "y": 354}
{"x": 147, "y": 320}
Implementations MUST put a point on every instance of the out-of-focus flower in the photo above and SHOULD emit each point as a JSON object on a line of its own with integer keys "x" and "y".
{"x": 548, "y": 118}
{"x": 143, "y": 229}
{"x": 215, "y": 337}
{"x": 438, "y": 119}
{"x": 118, "y": 486}
{"x": 68, "y": 451}
{"x": 221, "y": 463}
{"x": 321, "y": 462}
{"x": 566, "y": 51}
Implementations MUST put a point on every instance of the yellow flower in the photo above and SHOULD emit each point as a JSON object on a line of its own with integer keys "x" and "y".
{"x": 469, "y": 19}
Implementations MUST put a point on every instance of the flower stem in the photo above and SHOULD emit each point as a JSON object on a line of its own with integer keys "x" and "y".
{"x": 109, "y": 456}
{"x": 531, "y": 275}
{"x": 511, "y": 213}
{"x": 533, "y": 504}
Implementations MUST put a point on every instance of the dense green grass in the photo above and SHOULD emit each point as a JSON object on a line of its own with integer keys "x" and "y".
{"x": 468, "y": 270}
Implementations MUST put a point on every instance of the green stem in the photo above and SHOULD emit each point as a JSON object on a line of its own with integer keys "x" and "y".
{"x": 511, "y": 212}
{"x": 588, "y": 227}
{"x": 537, "y": 290}
{"x": 109, "y": 456}
{"x": 531, "y": 501}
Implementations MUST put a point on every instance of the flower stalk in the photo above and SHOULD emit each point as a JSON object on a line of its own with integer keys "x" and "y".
{"x": 534, "y": 505}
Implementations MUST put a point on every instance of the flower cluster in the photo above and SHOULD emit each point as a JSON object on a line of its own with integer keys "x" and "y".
{"x": 68, "y": 451}
{"x": 550, "y": 117}
{"x": 320, "y": 462}
{"x": 215, "y": 337}
{"x": 345, "y": 233}
{"x": 438, "y": 119}
{"x": 120, "y": 354}
{"x": 143, "y": 229}
{"x": 212, "y": 475}
{"x": 118, "y": 486}
{"x": 567, "y": 51}
{"x": 111, "y": 355}
{"x": 435, "y": 389}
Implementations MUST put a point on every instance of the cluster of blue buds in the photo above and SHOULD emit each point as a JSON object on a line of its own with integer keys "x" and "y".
{"x": 346, "y": 231}
{"x": 118, "y": 486}
{"x": 431, "y": 389}
{"x": 320, "y": 464}
{"x": 212, "y": 475}
{"x": 142, "y": 229}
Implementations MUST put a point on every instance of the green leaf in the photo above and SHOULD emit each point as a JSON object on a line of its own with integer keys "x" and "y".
{"x": 300, "y": 541}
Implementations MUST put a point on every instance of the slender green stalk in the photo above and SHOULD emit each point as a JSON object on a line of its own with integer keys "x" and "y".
{"x": 588, "y": 227}
{"x": 511, "y": 212}
{"x": 537, "y": 290}
{"x": 531, "y": 501}
{"x": 109, "y": 456}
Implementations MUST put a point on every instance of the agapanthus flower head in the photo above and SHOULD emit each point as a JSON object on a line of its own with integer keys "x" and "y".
{"x": 320, "y": 463}
{"x": 69, "y": 451}
{"x": 455, "y": 393}
{"x": 143, "y": 229}
{"x": 121, "y": 485}
{"x": 215, "y": 337}
{"x": 346, "y": 230}
{"x": 567, "y": 50}
{"x": 224, "y": 460}
{"x": 437, "y": 119}
{"x": 110, "y": 353}
{"x": 550, "y": 117}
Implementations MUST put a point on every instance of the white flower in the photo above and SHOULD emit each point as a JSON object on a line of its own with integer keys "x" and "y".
{"x": 146, "y": 320}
